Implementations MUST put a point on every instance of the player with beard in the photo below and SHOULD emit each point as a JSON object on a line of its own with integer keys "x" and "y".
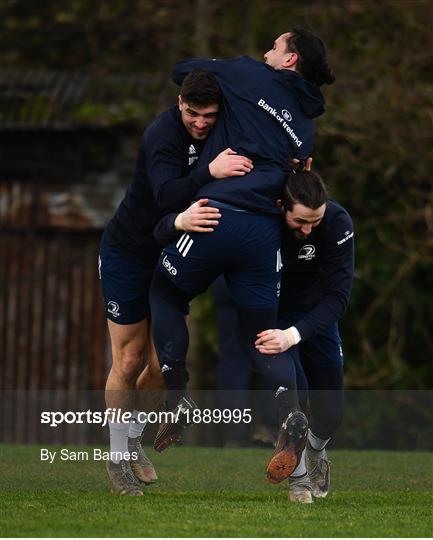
{"x": 318, "y": 259}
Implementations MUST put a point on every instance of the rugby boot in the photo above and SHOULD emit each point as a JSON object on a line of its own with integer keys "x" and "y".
{"x": 142, "y": 467}
{"x": 288, "y": 450}
{"x": 170, "y": 433}
{"x": 123, "y": 481}
{"x": 300, "y": 489}
{"x": 319, "y": 470}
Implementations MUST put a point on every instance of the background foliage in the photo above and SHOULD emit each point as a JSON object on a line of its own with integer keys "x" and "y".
{"x": 374, "y": 144}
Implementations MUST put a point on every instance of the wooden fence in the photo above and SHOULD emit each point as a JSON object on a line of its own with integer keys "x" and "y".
{"x": 52, "y": 322}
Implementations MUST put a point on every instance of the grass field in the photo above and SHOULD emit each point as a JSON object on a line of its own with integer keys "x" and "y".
{"x": 213, "y": 492}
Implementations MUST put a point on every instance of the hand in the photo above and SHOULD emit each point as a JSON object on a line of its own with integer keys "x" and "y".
{"x": 198, "y": 218}
{"x": 307, "y": 165}
{"x": 274, "y": 341}
{"x": 228, "y": 163}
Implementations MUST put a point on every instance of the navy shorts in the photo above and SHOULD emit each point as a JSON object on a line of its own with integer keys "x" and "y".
{"x": 245, "y": 247}
{"x": 125, "y": 284}
{"x": 322, "y": 350}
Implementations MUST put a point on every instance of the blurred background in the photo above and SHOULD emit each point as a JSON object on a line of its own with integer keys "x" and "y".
{"x": 80, "y": 81}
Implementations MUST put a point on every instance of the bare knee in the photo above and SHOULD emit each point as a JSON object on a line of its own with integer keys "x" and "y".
{"x": 128, "y": 364}
{"x": 128, "y": 343}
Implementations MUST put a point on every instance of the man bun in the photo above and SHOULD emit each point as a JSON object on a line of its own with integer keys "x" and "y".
{"x": 312, "y": 61}
{"x": 324, "y": 74}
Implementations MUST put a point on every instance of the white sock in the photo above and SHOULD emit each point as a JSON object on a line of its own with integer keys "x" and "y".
{"x": 118, "y": 440}
{"x": 136, "y": 426}
{"x": 316, "y": 443}
{"x": 301, "y": 468}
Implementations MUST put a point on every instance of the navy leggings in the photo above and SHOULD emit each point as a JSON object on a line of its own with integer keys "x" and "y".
{"x": 170, "y": 334}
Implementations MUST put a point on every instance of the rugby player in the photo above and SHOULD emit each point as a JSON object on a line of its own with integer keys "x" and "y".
{"x": 318, "y": 259}
{"x": 267, "y": 115}
{"x": 166, "y": 178}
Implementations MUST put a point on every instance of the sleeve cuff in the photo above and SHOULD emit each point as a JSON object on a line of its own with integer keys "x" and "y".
{"x": 296, "y": 335}
{"x": 172, "y": 222}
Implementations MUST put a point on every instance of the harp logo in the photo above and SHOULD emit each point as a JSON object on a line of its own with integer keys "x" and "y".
{"x": 113, "y": 308}
{"x": 307, "y": 252}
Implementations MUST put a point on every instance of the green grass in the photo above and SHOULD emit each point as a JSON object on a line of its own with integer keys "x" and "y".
{"x": 213, "y": 492}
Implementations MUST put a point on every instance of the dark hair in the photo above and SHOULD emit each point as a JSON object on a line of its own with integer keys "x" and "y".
{"x": 304, "y": 187}
{"x": 200, "y": 88}
{"x": 312, "y": 63}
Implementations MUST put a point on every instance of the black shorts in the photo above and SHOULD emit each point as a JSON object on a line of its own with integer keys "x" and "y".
{"x": 125, "y": 283}
{"x": 244, "y": 247}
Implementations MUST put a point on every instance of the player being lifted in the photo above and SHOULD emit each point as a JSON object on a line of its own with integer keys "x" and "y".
{"x": 268, "y": 116}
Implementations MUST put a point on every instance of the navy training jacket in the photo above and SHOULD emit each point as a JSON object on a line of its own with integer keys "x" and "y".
{"x": 266, "y": 115}
{"x": 165, "y": 179}
{"x": 318, "y": 272}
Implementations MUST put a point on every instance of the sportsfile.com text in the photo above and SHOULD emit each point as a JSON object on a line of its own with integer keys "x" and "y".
{"x": 195, "y": 416}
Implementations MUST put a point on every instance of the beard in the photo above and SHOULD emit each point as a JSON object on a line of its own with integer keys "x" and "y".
{"x": 300, "y": 235}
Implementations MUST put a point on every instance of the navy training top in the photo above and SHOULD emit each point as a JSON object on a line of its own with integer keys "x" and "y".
{"x": 318, "y": 272}
{"x": 165, "y": 179}
{"x": 266, "y": 115}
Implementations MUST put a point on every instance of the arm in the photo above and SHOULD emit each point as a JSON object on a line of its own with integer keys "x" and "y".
{"x": 164, "y": 231}
{"x": 182, "y": 69}
{"x": 172, "y": 190}
{"x": 337, "y": 277}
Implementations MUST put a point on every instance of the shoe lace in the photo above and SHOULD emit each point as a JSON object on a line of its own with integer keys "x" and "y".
{"x": 127, "y": 472}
